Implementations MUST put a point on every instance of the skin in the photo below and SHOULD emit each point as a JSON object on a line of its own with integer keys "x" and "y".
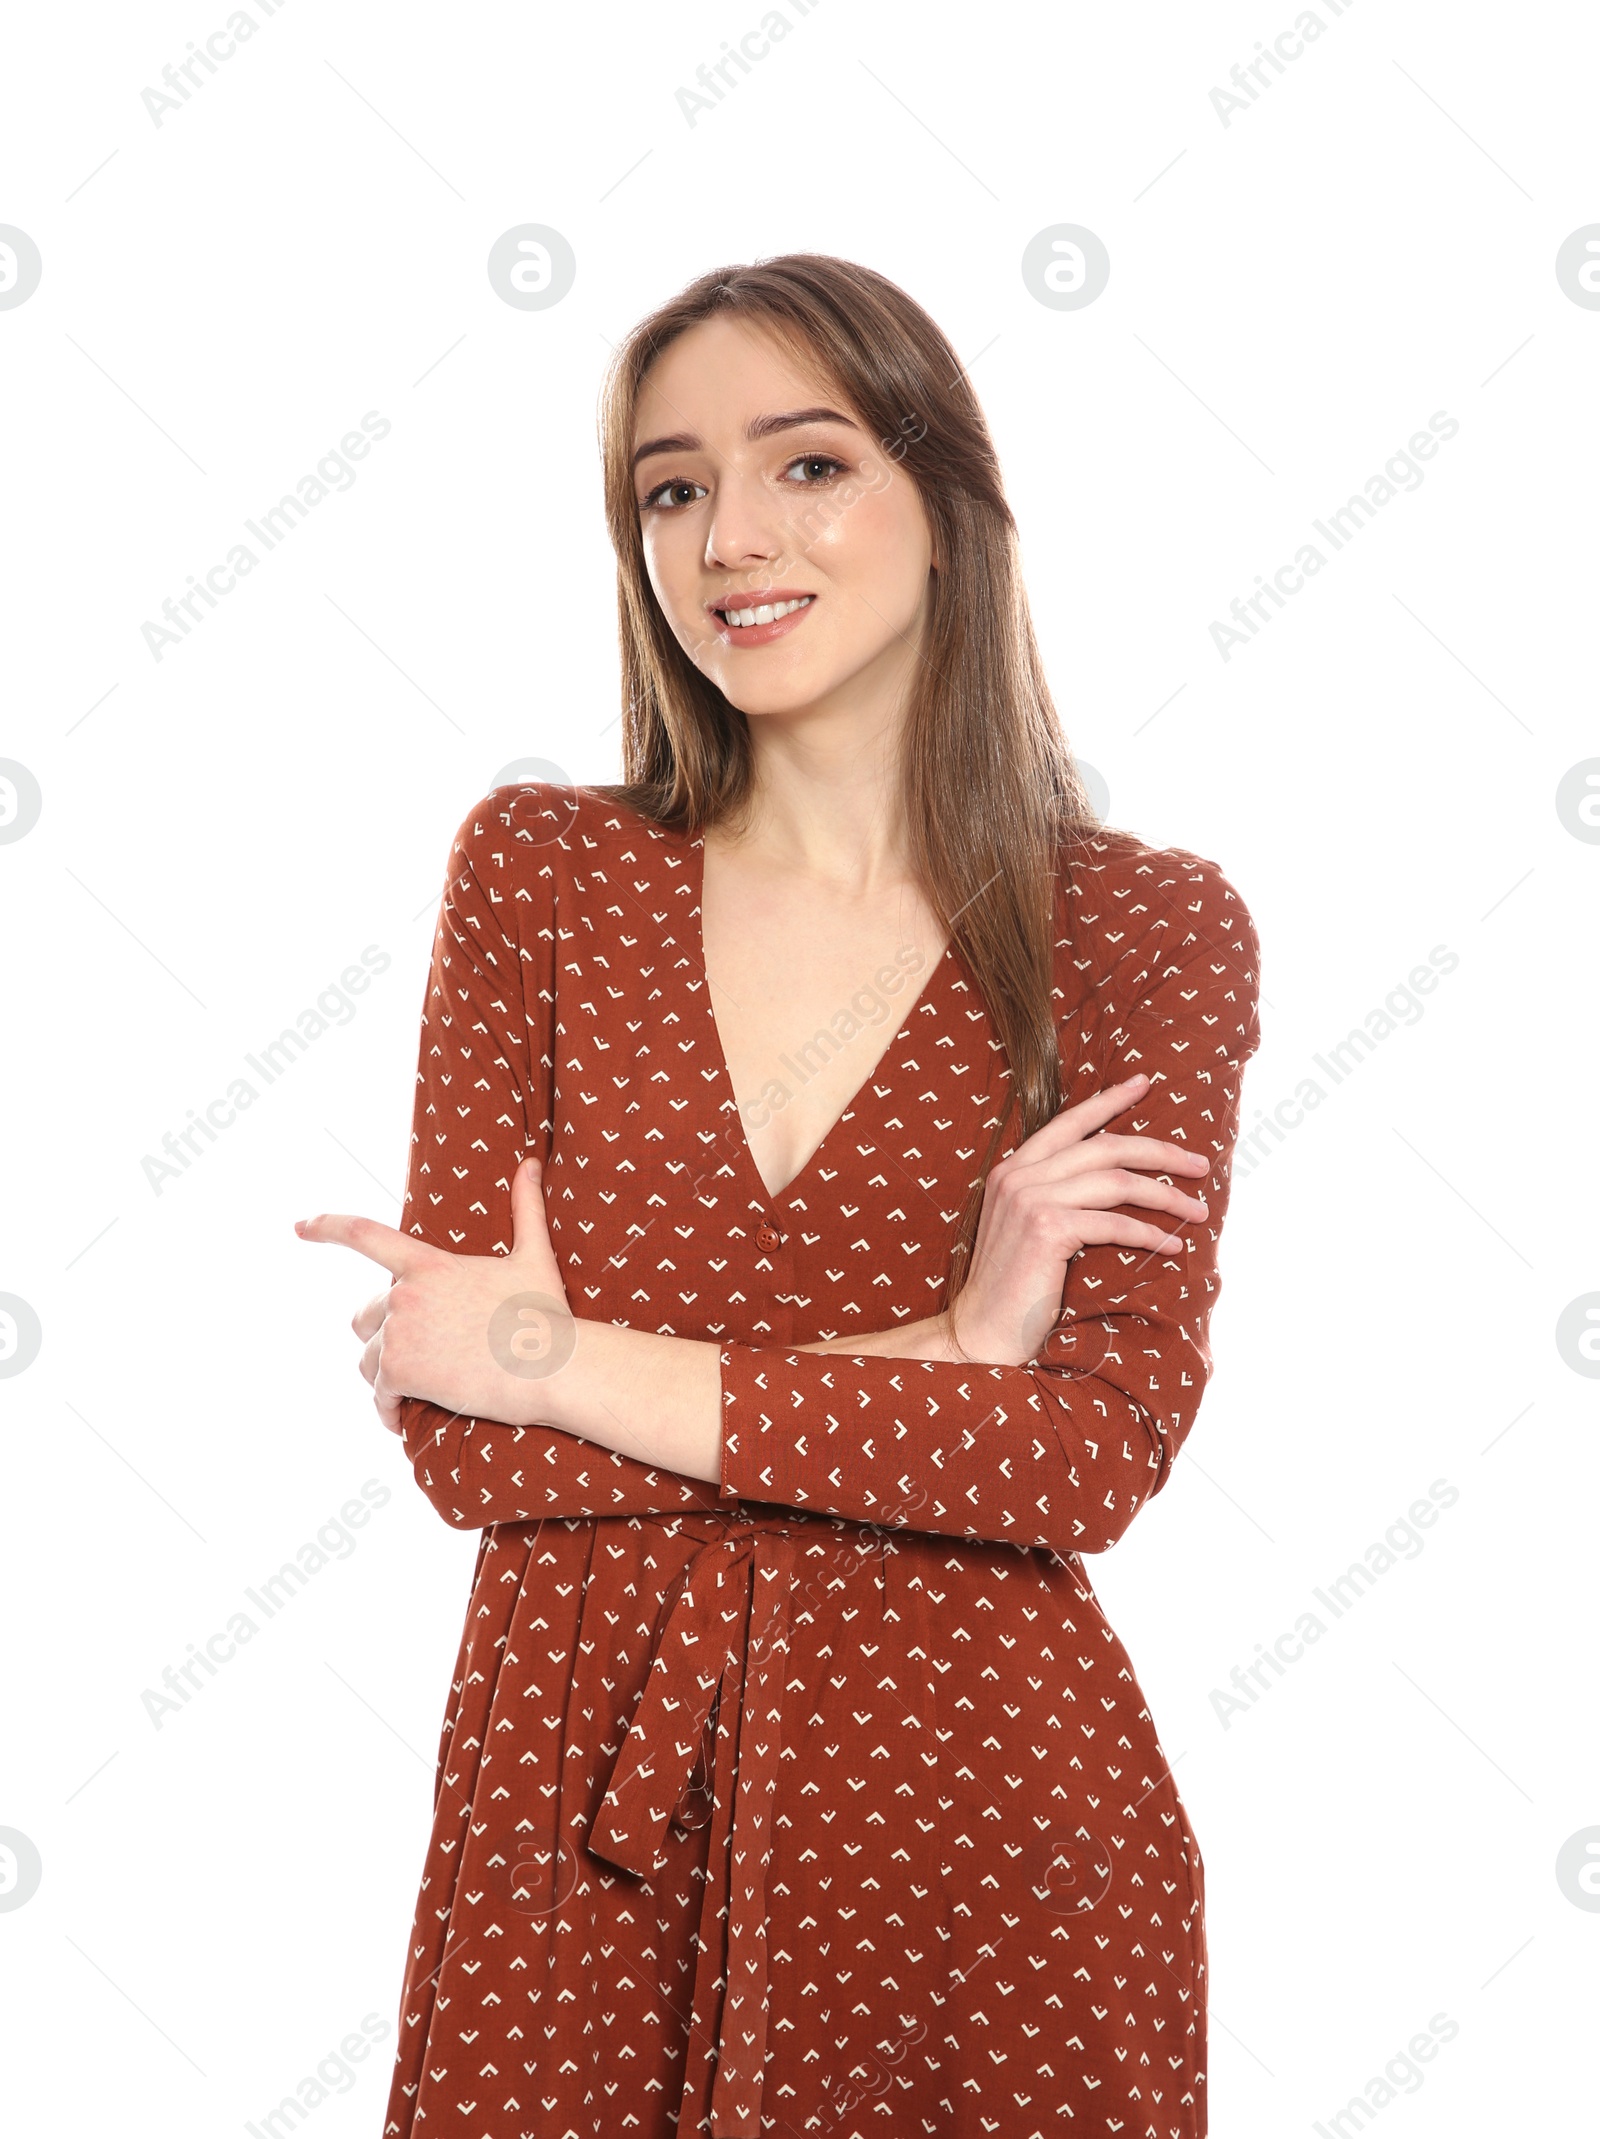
{"x": 822, "y": 508}
{"x": 819, "y": 870}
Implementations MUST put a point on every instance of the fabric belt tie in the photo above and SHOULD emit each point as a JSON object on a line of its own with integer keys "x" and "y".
{"x": 725, "y": 1638}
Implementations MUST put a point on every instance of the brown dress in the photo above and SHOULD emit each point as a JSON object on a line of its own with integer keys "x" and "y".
{"x": 827, "y": 1802}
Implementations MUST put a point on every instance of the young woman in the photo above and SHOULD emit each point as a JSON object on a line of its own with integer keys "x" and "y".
{"x": 820, "y": 1150}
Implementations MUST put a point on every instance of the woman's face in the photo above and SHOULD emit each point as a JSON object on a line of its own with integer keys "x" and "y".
{"x": 758, "y": 487}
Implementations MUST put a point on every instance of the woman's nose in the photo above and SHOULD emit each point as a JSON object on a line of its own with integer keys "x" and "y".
{"x": 744, "y": 528}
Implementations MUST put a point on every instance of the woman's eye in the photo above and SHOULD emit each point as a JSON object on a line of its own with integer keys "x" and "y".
{"x": 818, "y": 460}
{"x": 661, "y": 500}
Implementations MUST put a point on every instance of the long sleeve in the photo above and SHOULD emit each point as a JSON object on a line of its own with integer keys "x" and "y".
{"x": 1162, "y": 956}
{"x": 483, "y": 1102}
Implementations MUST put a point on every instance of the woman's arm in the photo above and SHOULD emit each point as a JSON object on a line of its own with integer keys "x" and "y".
{"x": 483, "y": 1099}
{"x": 1063, "y": 1452}
{"x": 911, "y": 1340}
{"x": 1060, "y": 1453}
{"x": 660, "y": 1398}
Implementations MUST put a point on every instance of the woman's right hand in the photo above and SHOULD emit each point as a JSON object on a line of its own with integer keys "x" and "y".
{"x": 1056, "y": 1193}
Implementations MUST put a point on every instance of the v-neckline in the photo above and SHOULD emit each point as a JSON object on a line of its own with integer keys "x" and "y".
{"x": 884, "y": 1063}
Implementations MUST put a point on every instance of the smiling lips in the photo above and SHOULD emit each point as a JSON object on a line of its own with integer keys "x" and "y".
{"x": 758, "y": 623}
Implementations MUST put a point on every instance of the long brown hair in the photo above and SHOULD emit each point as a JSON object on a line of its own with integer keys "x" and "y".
{"x": 990, "y": 797}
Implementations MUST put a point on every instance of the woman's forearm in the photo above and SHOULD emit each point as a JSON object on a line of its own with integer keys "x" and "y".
{"x": 915, "y": 1340}
{"x": 659, "y": 1399}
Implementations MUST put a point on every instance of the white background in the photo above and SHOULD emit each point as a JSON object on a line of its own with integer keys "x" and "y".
{"x": 1292, "y": 295}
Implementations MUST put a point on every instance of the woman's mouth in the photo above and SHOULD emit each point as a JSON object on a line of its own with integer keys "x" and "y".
{"x": 758, "y": 623}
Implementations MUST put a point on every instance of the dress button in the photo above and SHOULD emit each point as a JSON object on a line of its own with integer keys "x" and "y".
{"x": 767, "y": 1237}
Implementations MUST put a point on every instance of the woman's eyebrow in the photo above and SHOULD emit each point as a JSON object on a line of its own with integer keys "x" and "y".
{"x": 757, "y": 427}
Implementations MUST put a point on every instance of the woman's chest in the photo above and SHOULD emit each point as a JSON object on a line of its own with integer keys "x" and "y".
{"x": 657, "y": 1206}
{"x": 808, "y": 995}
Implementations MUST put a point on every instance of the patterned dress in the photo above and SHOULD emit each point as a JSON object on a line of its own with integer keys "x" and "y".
{"x": 825, "y": 1802}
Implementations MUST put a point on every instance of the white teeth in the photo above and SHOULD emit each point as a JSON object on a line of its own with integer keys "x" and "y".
{"x": 768, "y": 612}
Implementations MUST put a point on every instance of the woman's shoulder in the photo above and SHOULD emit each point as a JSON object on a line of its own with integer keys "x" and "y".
{"x": 532, "y": 824}
{"x": 1120, "y": 885}
{"x": 542, "y": 859}
{"x": 1145, "y": 922}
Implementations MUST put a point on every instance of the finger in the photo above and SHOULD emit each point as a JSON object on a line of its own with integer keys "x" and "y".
{"x": 1111, "y": 1229}
{"x": 371, "y": 1361}
{"x": 1113, "y": 1186}
{"x": 1147, "y": 1151}
{"x": 387, "y": 1402}
{"x": 531, "y": 1243}
{"x": 371, "y": 1318}
{"x": 1152, "y": 1152}
{"x": 1106, "y": 1189}
{"x": 1080, "y": 1120}
{"x": 400, "y": 1255}
{"x": 529, "y": 1226}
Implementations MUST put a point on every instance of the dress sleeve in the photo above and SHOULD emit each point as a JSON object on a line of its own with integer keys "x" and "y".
{"x": 1063, "y": 1452}
{"x": 483, "y": 1102}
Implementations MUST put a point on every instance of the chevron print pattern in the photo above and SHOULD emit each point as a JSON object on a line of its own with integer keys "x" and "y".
{"x": 826, "y": 1801}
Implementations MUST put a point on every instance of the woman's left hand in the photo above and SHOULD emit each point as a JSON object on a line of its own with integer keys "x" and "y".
{"x": 468, "y": 1332}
